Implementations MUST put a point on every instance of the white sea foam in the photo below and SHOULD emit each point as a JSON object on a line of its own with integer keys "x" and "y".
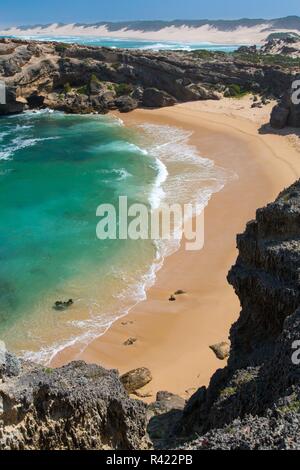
{"x": 20, "y": 143}
{"x": 121, "y": 174}
{"x": 183, "y": 176}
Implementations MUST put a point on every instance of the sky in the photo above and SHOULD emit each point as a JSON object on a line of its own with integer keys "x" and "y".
{"x": 22, "y": 12}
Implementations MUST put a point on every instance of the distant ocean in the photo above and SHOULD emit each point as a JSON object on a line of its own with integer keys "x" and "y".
{"x": 133, "y": 44}
{"x": 55, "y": 169}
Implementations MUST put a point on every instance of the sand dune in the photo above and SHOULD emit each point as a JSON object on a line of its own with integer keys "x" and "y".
{"x": 206, "y": 33}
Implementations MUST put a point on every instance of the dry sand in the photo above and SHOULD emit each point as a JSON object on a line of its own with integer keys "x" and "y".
{"x": 173, "y": 338}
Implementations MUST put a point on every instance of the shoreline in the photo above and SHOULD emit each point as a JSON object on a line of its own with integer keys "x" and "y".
{"x": 204, "y": 34}
{"x": 175, "y": 346}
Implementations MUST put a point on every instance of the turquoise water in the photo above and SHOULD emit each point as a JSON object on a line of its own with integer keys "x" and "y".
{"x": 134, "y": 44}
{"x": 55, "y": 170}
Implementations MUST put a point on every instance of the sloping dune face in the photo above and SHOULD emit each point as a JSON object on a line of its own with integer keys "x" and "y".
{"x": 217, "y": 32}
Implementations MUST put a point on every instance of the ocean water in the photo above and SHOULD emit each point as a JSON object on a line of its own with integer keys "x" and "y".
{"x": 55, "y": 170}
{"x": 134, "y": 44}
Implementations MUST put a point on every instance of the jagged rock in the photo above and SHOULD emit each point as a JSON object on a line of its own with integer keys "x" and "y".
{"x": 150, "y": 78}
{"x": 165, "y": 402}
{"x": 221, "y": 350}
{"x": 164, "y": 415}
{"x": 78, "y": 406}
{"x": 136, "y": 379}
{"x": 153, "y": 98}
{"x": 261, "y": 378}
{"x": 9, "y": 364}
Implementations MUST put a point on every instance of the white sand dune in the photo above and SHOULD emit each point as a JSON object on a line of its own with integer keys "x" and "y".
{"x": 203, "y": 34}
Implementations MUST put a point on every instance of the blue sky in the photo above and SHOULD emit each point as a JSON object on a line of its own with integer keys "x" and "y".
{"x": 37, "y": 11}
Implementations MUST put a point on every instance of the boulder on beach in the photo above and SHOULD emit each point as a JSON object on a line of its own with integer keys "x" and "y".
{"x": 279, "y": 117}
{"x": 136, "y": 379}
{"x": 221, "y": 350}
{"x": 130, "y": 341}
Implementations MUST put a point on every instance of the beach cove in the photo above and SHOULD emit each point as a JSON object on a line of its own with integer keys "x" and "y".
{"x": 173, "y": 338}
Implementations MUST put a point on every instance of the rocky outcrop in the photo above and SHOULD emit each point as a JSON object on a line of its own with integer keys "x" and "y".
{"x": 83, "y": 79}
{"x": 254, "y": 403}
{"x": 287, "y": 112}
{"x": 288, "y": 45}
{"x": 78, "y": 406}
{"x": 11, "y": 105}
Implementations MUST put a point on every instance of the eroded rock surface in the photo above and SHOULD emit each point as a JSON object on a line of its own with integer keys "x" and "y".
{"x": 78, "y": 406}
{"x": 82, "y": 79}
{"x": 254, "y": 403}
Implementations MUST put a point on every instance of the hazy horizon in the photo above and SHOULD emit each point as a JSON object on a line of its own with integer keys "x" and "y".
{"x": 18, "y": 12}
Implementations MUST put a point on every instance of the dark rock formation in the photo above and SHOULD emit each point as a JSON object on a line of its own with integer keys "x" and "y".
{"x": 287, "y": 112}
{"x": 10, "y": 365}
{"x": 78, "y": 406}
{"x": 153, "y": 98}
{"x": 254, "y": 403}
{"x": 11, "y": 105}
{"x": 279, "y": 117}
{"x": 164, "y": 416}
{"x": 81, "y": 79}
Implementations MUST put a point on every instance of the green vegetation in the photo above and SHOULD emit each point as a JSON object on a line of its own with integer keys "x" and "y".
{"x": 123, "y": 89}
{"x": 244, "y": 377}
{"x": 236, "y": 91}
{"x": 228, "y": 392}
{"x": 61, "y": 48}
{"x": 67, "y": 88}
{"x": 292, "y": 407}
{"x": 83, "y": 90}
{"x": 48, "y": 370}
{"x": 208, "y": 55}
{"x": 282, "y": 36}
{"x": 267, "y": 59}
{"x": 115, "y": 66}
{"x": 95, "y": 79}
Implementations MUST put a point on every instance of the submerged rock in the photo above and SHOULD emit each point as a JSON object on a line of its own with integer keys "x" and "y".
{"x": 60, "y": 305}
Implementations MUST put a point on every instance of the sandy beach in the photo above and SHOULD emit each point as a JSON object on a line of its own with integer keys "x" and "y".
{"x": 173, "y": 338}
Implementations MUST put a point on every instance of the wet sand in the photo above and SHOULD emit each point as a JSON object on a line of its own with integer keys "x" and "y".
{"x": 173, "y": 338}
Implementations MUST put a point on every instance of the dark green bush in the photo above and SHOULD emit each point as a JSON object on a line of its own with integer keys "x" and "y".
{"x": 67, "y": 87}
{"x": 123, "y": 89}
